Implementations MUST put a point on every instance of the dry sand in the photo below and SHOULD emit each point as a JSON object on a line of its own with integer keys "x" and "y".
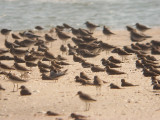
{"x": 130, "y": 103}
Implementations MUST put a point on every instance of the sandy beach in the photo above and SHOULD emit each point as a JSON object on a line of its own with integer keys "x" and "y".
{"x": 129, "y": 103}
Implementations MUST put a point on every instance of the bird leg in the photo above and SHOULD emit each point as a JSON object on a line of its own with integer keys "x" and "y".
{"x": 17, "y": 87}
{"x": 13, "y": 88}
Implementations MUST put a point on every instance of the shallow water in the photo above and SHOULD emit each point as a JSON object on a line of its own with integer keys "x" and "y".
{"x": 26, "y": 14}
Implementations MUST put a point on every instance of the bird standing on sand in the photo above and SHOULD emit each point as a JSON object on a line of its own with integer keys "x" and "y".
{"x": 107, "y": 32}
{"x": 84, "y": 76}
{"x": 15, "y": 80}
{"x": 49, "y": 39}
{"x": 39, "y": 28}
{"x": 63, "y": 36}
{"x": 91, "y": 26}
{"x": 113, "y": 86}
{"x": 126, "y": 84}
{"x": 5, "y": 32}
{"x": 113, "y": 71}
{"x": 14, "y": 36}
{"x": 141, "y": 27}
{"x": 98, "y": 83}
{"x": 86, "y": 98}
{"x": 24, "y": 91}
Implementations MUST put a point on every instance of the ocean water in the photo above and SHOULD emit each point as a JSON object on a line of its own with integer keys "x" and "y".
{"x": 26, "y": 14}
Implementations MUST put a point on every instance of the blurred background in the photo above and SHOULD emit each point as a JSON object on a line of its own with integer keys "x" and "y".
{"x": 26, "y": 14}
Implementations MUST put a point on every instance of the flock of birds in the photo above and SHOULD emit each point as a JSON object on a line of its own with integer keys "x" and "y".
{"x": 33, "y": 50}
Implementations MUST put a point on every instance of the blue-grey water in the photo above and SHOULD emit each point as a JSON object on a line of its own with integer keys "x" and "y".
{"x": 26, "y": 14}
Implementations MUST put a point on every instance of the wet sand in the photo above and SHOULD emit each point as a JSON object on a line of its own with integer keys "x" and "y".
{"x": 130, "y": 103}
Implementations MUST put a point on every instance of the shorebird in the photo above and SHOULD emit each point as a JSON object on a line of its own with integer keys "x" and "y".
{"x": 91, "y": 26}
{"x": 156, "y": 86}
{"x": 75, "y": 32}
{"x": 49, "y": 39}
{"x": 10, "y": 44}
{"x": 83, "y": 81}
{"x": 141, "y": 27}
{"x": 78, "y": 59}
{"x": 86, "y": 64}
{"x": 109, "y": 63}
{"x": 148, "y": 65}
{"x": 63, "y": 49}
{"x": 21, "y": 69}
{"x": 39, "y": 28}
{"x": 63, "y": 36}
{"x": 24, "y": 91}
{"x": 38, "y": 54}
{"x": 61, "y": 58}
{"x": 17, "y": 52}
{"x": 129, "y": 50}
{"x": 40, "y": 64}
{"x": 121, "y": 53}
{"x": 96, "y": 68}
{"x": 5, "y": 32}
{"x": 136, "y": 47}
{"x": 4, "y": 67}
{"x": 148, "y": 73}
{"x": 106, "y": 46}
{"x": 146, "y": 46}
{"x": 86, "y": 53}
{"x": 50, "y": 113}
{"x": 3, "y": 51}
{"x": 45, "y": 77}
{"x": 26, "y": 43}
{"x": 137, "y": 37}
{"x": 4, "y": 57}
{"x": 155, "y": 80}
{"x": 84, "y": 32}
{"x": 113, "y": 71}
{"x": 55, "y": 64}
{"x": 56, "y": 74}
{"x": 107, "y": 32}
{"x": 59, "y": 28}
{"x": 139, "y": 64}
{"x": 155, "y": 51}
{"x": 98, "y": 83}
{"x": 86, "y": 98}
{"x": 89, "y": 39}
{"x": 84, "y": 76}
{"x": 15, "y": 80}
{"x": 43, "y": 70}
{"x": 154, "y": 70}
{"x": 66, "y": 26}
{"x": 77, "y": 41}
{"x": 78, "y": 117}
{"x": 30, "y": 35}
{"x": 49, "y": 55}
{"x": 114, "y": 60}
{"x": 149, "y": 57}
{"x": 30, "y": 57}
{"x": 129, "y": 28}
{"x": 155, "y": 43}
{"x": 113, "y": 86}
{"x": 14, "y": 36}
{"x": 30, "y": 64}
{"x": 148, "y": 61}
{"x": 18, "y": 60}
{"x": 126, "y": 84}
